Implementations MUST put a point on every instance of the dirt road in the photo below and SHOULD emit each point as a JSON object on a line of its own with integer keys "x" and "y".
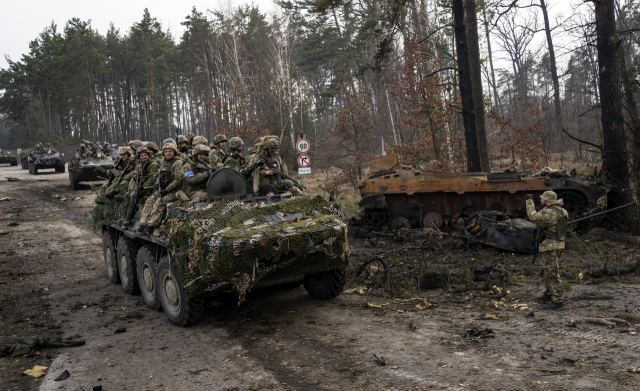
{"x": 53, "y": 284}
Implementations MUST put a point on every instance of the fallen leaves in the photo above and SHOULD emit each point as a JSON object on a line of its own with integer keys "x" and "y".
{"x": 36, "y": 371}
{"x": 360, "y": 290}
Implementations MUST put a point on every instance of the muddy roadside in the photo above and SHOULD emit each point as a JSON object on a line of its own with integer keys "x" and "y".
{"x": 53, "y": 284}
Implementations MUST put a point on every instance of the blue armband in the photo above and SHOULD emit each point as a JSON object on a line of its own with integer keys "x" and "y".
{"x": 188, "y": 174}
{"x": 208, "y": 174}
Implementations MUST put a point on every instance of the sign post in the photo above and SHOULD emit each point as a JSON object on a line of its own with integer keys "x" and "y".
{"x": 304, "y": 161}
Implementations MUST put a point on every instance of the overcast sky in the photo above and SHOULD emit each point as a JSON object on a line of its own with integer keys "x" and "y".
{"x": 22, "y": 20}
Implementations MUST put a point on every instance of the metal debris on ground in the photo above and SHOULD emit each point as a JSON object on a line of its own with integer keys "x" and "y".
{"x": 474, "y": 333}
{"x": 10, "y": 179}
{"x": 63, "y": 376}
{"x": 120, "y": 330}
{"x": 379, "y": 360}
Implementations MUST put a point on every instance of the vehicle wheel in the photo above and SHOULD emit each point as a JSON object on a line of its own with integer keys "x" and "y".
{"x": 147, "y": 271}
{"x": 30, "y": 167}
{"x": 127, "y": 253}
{"x": 14, "y": 163}
{"x": 180, "y": 309}
{"x": 575, "y": 203}
{"x": 34, "y": 169}
{"x": 61, "y": 169}
{"x": 110, "y": 256}
{"x": 72, "y": 181}
{"x": 325, "y": 285}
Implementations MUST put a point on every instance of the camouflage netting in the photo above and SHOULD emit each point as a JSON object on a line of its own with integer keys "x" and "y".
{"x": 234, "y": 242}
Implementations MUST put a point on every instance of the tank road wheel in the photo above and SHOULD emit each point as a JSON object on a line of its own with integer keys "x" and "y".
{"x": 33, "y": 169}
{"x": 325, "y": 285}
{"x": 398, "y": 222}
{"x": 127, "y": 253}
{"x": 147, "y": 271}
{"x": 376, "y": 217}
{"x": 75, "y": 185}
{"x": 180, "y": 309}
{"x": 109, "y": 253}
{"x": 575, "y": 202}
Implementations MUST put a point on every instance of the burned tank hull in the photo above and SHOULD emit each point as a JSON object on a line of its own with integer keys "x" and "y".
{"x": 435, "y": 199}
{"x": 89, "y": 169}
{"x": 7, "y": 157}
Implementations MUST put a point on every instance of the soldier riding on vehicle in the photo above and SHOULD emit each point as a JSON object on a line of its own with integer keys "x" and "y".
{"x": 197, "y": 172}
{"x": 217, "y": 153}
{"x": 274, "y": 167}
{"x": 144, "y": 180}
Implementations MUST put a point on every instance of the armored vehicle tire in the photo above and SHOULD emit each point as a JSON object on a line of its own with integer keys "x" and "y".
{"x": 325, "y": 285}
{"x": 75, "y": 185}
{"x": 60, "y": 169}
{"x": 147, "y": 276}
{"x": 110, "y": 256}
{"x": 127, "y": 254}
{"x": 180, "y": 309}
{"x": 33, "y": 169}
{"x": 14, "y": 163}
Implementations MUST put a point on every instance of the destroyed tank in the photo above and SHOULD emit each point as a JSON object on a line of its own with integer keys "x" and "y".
{"x": 24, "y": 158}
{"x": 400, "y": 196}
{"x": 8, "y": 157}
{"x": 237, "y": 239}
{"x": 89, "y": 169}
{"x": 46, "y": 158}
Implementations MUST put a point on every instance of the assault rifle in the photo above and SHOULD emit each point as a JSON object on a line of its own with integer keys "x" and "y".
{"x": 269, "y": 165}
{"x": 204, "y": 167}
{"x": 162, "y": 183}
{"x": 121, "y": 173}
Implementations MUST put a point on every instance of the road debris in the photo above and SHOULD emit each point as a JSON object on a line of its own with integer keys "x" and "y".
{"x": 36, "y": 371}
{"x": 379, "y": 360}
{"x": 63, "y": 376}
{"x": 475, "y": 333}
{"x": 609, "y": 322}
{"x": 21, "y": 346}
{"x": 120, "y": 330}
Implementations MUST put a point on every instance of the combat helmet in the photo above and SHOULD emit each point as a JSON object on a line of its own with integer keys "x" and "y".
{"x": 190, "y": 137}
{"x": 200, "y": 148}
{"x": 144, "y": 150}
{"x": 152, "y": 146}
{"x": 168, "y": 140}
{"x": 171, "y": 146}
{"x": 235, "y": 142}
{"x": 549, "y": 196}
{"x": 135, "y": 144}
{"x": 124, "y": 150}
{"x": 182, "y": 139}
{"x": 199, "y": 140}
{"x": 270, "y": 142}
{"x": 219, "y": 138}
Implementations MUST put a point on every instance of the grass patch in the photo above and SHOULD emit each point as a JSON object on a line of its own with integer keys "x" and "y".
{"x": 605, "y": 307}
{"x": 613, "y": 346}
{"x": 354, "y": 375}
{"x": 566, "y": 286}
{"x": 517, "y": 280}
{"x": 311, "y": 322}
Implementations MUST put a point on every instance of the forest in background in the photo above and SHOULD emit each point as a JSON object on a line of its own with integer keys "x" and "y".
{"x": 347, "y": 73}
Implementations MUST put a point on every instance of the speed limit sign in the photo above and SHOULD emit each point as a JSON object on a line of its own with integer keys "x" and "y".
{"x": 303, "y": 145}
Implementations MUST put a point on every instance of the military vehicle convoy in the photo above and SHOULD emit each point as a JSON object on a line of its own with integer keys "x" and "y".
{"x": 46, "y": 158}
{"x": 399, "y": 196}
{"x": 89, "y": 169}
{"x": 8, "y": 157}
{"x": 238, "y": 239}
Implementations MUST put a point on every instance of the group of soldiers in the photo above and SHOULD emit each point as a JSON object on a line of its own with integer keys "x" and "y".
{"x": 39, "y": 147}
{"x": 88, "y": 149}
{"x": 145, "y": 175}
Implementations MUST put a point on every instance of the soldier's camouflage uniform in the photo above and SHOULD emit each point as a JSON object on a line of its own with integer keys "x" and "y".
{"x": 116, "y": 175}
{"x": 276, "y": 162}
{"x": 148, "y": 172}
{"x": 552, "y": 247}
{"x": 194, "y": 182}
{"x": 154, "y": 206}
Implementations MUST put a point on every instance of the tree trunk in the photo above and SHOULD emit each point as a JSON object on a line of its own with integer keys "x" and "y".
{"x": 466, "y": 32}
{"x": 493, "y": 74}
{"x": 611, "y": 103}
{"x": 552, "y": 61}
{"x": 632, "y": 109}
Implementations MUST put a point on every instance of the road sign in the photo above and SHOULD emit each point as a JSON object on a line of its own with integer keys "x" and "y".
{"x": 304, "y": 170}
{"x": 303, "y": 146}
{"x": 304, "y": 160}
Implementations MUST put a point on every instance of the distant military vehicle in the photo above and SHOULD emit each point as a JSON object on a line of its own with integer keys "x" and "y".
{"x": 46, "y": 158}
{"x": 238, "y": 239}
{"x": 24, "y": 158}
{"x": 89, "y": 169}
{"x": 8, "y": 157}
{"x": 399, "y": 196}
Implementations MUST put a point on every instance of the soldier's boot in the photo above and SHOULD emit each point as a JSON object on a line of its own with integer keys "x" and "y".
{"x": 110, "y": 194}
{"x": 101, "y": 201}
{"x": 553, "y": 306}
{"x": 120, "y": 222}
{"x": 126, "y": 223}
{"x": 141, "y": 229}
{"x": 544, "y": 298}
{"x": 118, "y": 197}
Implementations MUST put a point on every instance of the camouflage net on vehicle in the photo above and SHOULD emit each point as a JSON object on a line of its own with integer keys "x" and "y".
{"x": 233, "y": 241}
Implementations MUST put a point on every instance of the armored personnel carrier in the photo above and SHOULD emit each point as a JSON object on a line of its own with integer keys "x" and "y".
{"x": 44, "y": 159}
{"x": 89, "y": 169}
{"x": 24, "y": 158}
{"x": 8, "y": 157}
{"x": 237, "y": 239}
{"x": 400, "y": 196}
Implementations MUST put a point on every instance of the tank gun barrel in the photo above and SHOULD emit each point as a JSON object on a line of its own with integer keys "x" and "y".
{"x": 602, "y": 213}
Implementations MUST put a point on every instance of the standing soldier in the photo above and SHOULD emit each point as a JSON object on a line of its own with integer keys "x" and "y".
{"x": 552, "y": 218}
{"x": 269, "y": 153}
{"x": 196, "y": 174}
{"x": 168, "y": 185}
{"x": 144, "y": 180}
{"x": 217, "y": 153}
